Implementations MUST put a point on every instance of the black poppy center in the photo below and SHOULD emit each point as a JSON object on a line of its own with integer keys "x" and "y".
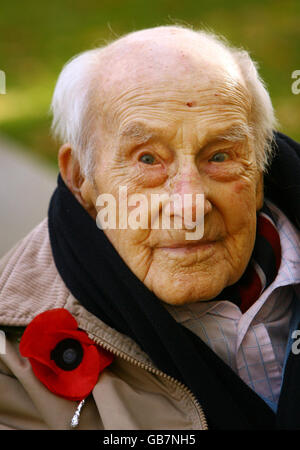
{"x": 67, "y": 354}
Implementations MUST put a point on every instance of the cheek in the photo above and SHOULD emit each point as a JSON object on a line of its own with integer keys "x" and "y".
{"x": 238, "y": 187}
{"x": 149, "y": 176}
{"x": 130, "y": 246}
{"x": 236, "y": 201}
{"x": 240, "y": 192}
{"x": 244, "y": 198}
{"x": 244, "y": 193}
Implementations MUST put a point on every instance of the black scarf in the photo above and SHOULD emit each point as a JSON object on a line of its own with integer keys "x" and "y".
{"x": 100, "y": 280}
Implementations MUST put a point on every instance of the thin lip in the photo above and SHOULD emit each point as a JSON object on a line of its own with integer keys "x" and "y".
{"x": 188, "y": 244}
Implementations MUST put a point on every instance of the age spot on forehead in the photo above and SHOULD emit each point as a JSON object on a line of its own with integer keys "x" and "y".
{"x": 191, "y": 104}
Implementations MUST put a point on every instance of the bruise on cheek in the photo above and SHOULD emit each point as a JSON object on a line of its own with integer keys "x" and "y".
{"x": 239, "y": 186}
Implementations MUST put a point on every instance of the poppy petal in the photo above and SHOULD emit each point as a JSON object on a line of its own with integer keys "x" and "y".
{"x": 43, "y": 335}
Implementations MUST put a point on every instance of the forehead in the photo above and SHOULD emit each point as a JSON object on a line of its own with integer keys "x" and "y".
{"x": 167, "y": 84}
{"x": 205, "y": 106}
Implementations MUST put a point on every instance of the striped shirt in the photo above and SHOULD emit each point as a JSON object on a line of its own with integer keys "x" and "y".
{"x": 253, "y": 343}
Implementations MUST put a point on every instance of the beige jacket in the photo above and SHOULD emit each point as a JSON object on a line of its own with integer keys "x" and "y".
{"x": 130, "y": 394}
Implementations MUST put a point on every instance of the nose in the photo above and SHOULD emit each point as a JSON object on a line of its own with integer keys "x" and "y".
{"x": 190, "y": 186}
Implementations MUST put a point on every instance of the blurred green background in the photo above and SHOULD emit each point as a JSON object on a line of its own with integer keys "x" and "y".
{"x": 37, "y": 38}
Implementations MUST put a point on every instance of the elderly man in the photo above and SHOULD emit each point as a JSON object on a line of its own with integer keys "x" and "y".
{"x": 139, "y": 327}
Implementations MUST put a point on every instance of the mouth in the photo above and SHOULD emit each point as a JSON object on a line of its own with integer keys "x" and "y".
{"x": 186, "y": 247}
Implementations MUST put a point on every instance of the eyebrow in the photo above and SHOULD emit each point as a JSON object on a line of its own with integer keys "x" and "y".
{"x": 236, "y": 133}
{"x": 140, "y": 133}
{"x": 137, "y": 131}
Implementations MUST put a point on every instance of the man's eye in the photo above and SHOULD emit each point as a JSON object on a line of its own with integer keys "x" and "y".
{"x": 219, "y": 157}
{"x": 147, "y": 159}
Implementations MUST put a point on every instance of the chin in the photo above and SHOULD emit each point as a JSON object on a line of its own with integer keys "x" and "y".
{"x": 177, "y": 298}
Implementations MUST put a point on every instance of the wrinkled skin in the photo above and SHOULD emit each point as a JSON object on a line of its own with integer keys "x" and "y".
{"x": 173, "y": 103}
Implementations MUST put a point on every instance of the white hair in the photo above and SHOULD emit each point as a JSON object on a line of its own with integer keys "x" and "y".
{"x": 72, "y": 104}
{"x": 75, "y": 111}
{"x": 263, "y": 120}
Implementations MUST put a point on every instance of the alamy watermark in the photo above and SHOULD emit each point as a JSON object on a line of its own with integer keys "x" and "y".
{"x": 161, "y": 211}
{"x": 2, "y": 82}
{"x": 296, "y": 84}
{"x": 296, "y": 343}
{"x": 2, "y": 342}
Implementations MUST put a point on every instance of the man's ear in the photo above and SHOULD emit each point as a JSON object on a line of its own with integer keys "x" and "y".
{"x": 260, "y": 192}
{"x": 73, "y": 178}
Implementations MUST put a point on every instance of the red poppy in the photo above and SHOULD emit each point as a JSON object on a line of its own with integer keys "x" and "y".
{"x": 63, "y": 357}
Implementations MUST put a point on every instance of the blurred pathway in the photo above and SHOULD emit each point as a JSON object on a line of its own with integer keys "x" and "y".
{"x": 26, "y": 186}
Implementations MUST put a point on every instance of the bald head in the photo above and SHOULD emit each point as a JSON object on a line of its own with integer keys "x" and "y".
{"x": 156, "y": 52}
{"x": 164, "y": 56}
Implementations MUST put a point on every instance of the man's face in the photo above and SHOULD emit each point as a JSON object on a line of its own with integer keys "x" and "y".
{"x": 177, "y": 134}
